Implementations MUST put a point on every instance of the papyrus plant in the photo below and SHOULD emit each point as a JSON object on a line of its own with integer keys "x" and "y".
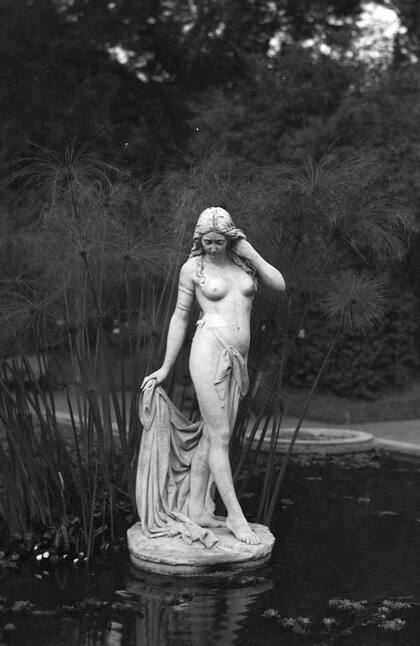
{"x": 97, "y": 273}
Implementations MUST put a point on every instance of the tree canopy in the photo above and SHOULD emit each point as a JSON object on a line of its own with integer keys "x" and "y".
{"x": 123, "y": 73}
{"x": 157, "y": 87}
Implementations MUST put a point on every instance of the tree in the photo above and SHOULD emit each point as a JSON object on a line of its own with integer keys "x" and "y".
{"x": 407, "y": 41}
{"x": 261, "y": 117}
{"x": 57, "y": 86}
{"x": 197, "y": 44}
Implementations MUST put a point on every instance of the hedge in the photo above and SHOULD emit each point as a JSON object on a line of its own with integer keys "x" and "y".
{"x": 360, "y": 366}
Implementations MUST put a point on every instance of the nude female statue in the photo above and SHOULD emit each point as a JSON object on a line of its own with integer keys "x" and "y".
{"x": 221, "y": 274}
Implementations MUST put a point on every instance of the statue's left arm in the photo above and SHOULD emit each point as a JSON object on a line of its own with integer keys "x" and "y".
{"x": 266, "y": 273}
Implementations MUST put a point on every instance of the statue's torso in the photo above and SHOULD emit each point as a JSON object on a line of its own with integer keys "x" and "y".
{"x": 225, "y": 296}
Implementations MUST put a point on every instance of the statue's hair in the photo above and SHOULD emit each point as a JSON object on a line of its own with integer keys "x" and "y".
{"x": 218, "y": 220}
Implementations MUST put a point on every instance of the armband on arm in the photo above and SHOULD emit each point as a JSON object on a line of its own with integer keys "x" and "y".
{"x": 185, "y": 298}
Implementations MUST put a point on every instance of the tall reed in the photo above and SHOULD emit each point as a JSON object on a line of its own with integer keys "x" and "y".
{"x": 104, "y": 261}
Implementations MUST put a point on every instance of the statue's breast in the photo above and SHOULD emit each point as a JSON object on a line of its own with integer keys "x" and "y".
{"x": 246, "y": 285}
{"x": 215, "y": 288}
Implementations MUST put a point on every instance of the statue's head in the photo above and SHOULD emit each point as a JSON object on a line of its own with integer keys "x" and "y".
{"x": 214, "y": 220}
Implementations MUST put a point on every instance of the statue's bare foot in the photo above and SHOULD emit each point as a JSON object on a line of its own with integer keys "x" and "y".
{"x": 242, "y": 531}
{"x": 205, "y": 519}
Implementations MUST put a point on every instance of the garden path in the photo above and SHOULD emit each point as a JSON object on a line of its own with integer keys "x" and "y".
{"x": 398, "y": 436}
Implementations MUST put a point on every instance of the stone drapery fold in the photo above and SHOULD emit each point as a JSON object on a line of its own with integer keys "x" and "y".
{"x": 167, "y": 448}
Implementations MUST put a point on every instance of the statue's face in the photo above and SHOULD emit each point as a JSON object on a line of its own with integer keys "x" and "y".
{"x": 214, "y": 243}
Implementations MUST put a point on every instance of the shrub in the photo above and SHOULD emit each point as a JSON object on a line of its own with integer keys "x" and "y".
{"x": 361, "y": 366}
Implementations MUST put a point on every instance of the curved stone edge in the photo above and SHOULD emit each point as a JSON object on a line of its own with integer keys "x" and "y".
{"x": 404, "y": 449}
{"x": 199, "y": 570}
{"x": 355, "y": 442}
{"x": 156, "y": 555}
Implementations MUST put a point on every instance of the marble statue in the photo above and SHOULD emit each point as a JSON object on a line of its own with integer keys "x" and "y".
{"x": 180, "y": 462}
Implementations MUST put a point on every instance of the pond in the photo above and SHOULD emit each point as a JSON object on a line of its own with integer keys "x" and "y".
{"x": 345, "y": 570}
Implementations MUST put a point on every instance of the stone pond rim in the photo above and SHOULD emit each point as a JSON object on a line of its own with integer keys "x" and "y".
{"x": 322, "y": 441}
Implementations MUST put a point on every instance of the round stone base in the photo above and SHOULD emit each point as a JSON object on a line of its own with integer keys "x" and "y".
{"x": 171, "y": 555}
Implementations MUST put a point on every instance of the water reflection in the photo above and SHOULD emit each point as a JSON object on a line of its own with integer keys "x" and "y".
{"x": 150, "y": 611}
{"x": 207, "y": 615}
{"x": 341, "y": 539}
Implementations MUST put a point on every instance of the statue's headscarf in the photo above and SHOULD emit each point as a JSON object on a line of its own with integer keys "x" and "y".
{"x": 217, "y": 220}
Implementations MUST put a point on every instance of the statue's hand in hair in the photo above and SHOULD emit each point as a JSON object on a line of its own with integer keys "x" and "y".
{"x": 244, "y": 249}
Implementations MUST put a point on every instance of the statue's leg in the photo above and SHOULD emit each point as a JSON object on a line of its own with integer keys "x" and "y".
{"x": 199, "y": 480}
{"x": 204, "y": 359}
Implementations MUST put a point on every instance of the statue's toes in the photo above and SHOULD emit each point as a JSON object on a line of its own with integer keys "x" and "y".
{"x": 223, "y": 547}
{"x": 252, "y": 539}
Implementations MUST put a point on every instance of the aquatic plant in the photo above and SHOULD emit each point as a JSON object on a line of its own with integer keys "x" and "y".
{"x": 345, "y": 605}
{"x": 350, "y": 616}
{"x": 91, "y": 280}
{"x": 394, "y": 625}
{"x": 88, "y": 267}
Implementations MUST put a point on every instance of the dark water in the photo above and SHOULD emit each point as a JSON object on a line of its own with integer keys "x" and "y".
{"x": 353, "y": 533}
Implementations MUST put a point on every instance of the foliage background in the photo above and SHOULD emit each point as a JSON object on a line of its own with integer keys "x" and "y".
{"x": 198, "y": 103}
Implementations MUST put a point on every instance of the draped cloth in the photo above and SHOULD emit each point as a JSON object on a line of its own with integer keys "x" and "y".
{"x": 167, "y": 448}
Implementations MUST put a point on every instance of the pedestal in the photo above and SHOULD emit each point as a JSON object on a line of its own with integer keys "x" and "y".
{"x": 171, "y": 555}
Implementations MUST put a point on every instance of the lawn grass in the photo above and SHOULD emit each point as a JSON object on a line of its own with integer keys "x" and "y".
{"x": 396, "y": 404}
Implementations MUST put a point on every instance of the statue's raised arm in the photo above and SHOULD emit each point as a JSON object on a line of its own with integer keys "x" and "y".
{"x": 269, "y": 275}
